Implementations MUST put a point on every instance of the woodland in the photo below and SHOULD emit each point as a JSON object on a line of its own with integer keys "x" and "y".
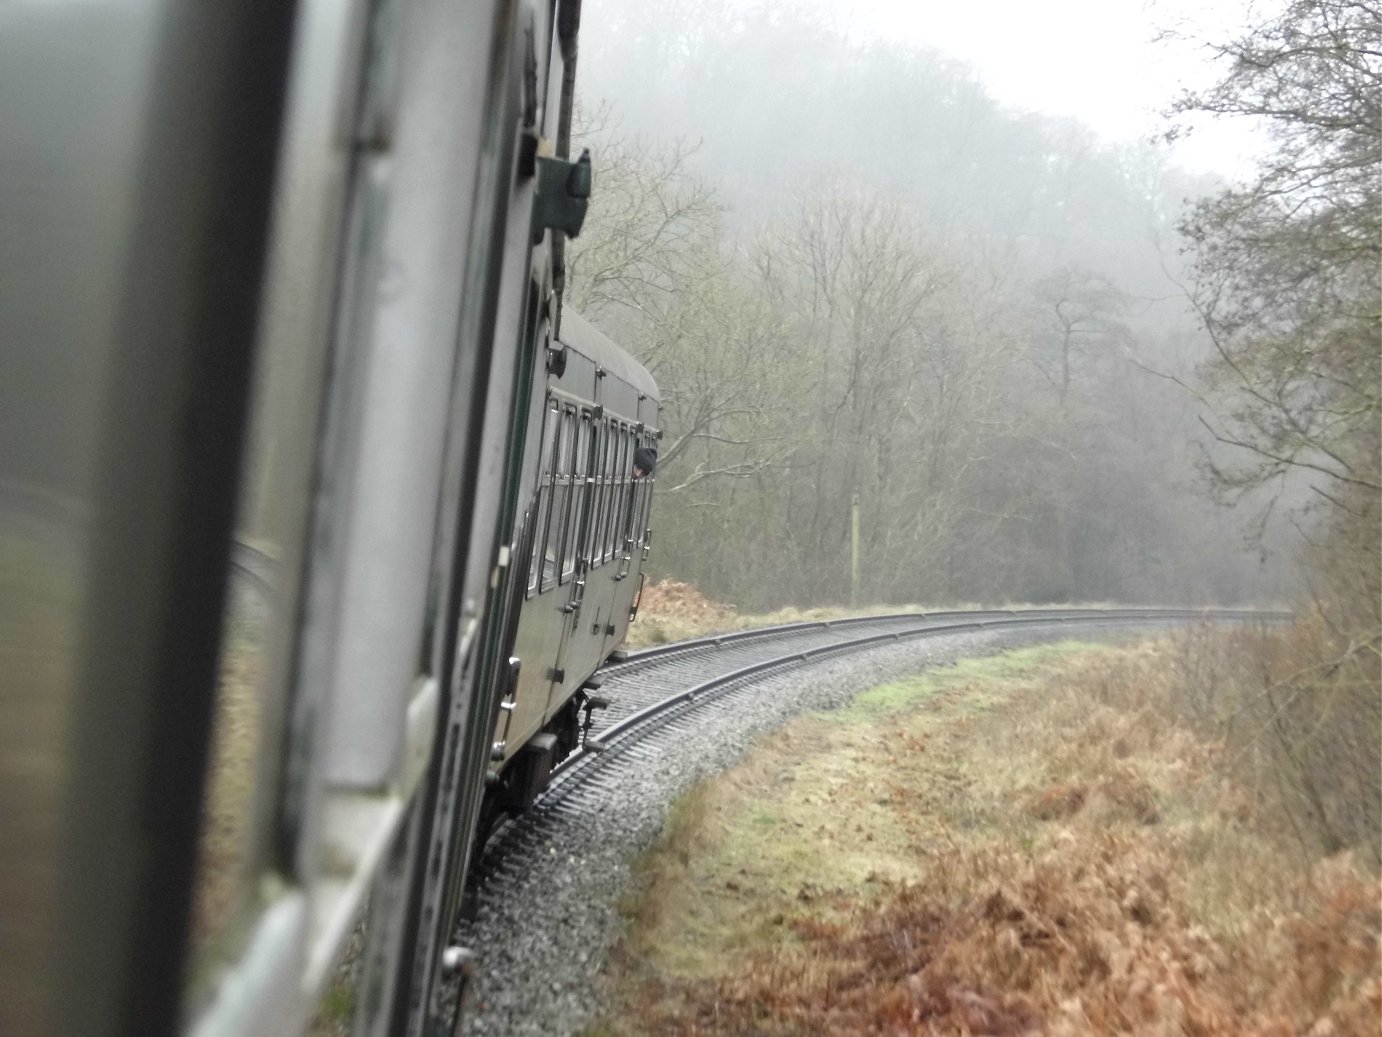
{"x": 1048, "y": 368}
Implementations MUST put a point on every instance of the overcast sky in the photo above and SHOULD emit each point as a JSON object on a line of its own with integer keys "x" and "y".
{"x": 1095, "y": 60}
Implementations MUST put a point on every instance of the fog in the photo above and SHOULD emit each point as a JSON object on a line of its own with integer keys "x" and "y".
{"x": 857, "y": 274}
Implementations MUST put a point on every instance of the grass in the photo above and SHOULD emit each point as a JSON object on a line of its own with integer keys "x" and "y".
{"x": 336, "y": 1009}
{"x": 336, "y": 1012}
{"x": 223, "y": 878}
{"x": 981, "y": 678}
{"x": 1031, "y": 843}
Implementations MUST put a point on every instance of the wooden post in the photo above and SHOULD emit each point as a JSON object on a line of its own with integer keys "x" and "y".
{"x": 854, "y": 551}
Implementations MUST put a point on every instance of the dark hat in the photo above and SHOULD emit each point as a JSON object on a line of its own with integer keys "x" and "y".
{"x": 645, "y": 457}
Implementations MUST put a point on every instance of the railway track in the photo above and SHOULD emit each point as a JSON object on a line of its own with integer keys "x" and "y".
{"x": 652, "y": 682}
{"x": 661, "y": 700}
{"x": 254, "y": 569}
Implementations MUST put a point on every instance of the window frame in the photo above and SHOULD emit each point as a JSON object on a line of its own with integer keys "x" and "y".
{"x": 561, "y": 481}
{"x": 542, "y": 500}
{"x": 594, "y": 547}
{"x": 645, "y": 509}
{"x": 642, "y": 494}
{"x": 571, "y": 541}
{"x": 622, "y": 470}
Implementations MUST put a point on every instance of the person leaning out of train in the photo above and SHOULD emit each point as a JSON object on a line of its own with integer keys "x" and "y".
{"x": 644, "y": 461}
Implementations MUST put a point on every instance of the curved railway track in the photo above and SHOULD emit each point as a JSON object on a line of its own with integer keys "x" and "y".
{"x": 661, "y": 697}
{"x": 254, "y": 569}
{"x": 651, "y": 683}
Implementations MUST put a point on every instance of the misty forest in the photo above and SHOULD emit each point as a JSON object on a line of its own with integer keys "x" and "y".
{"x": 1048, "y": 368}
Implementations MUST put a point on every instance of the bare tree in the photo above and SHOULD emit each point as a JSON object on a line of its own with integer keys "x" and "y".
{"x": 1082, "y": 312}
{"x": 1289, "y": 264}
{"x": 650, "y": 269}
{"x": 876, "y": 333}
{"x": 651, "y": 222}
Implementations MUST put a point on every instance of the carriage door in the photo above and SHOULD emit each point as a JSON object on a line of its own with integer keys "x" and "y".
{"x": 572, "y": 570}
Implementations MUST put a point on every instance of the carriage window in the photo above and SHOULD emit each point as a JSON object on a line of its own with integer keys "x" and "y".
{"x": 543, "y": 502}
{"x": 611, "y": 474}
{"x": 611, "y": 494}
{"x": 629, "y": 511}
{"x": 635, "y": 500}
{"x": 607, "y": 479}
{"x": 574, "y": 523}
{"x": 561, "y": 499}
{"x": 645, "y": 489}
{"x": 628, "y": 490}
{"x": 621, "y": 462}
{"x": 639, "y": 509}
{"x": 599, "y": 469}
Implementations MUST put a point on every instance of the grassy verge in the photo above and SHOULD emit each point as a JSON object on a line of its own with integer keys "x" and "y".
{"x": 222, "y": 877}
{"x": 1037, "y": 843}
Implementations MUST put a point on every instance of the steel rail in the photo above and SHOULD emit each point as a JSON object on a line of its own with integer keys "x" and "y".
{"x": 644, "y": 656}
{"x": 1009, "y": 618}
{"x": 255, "y": 566}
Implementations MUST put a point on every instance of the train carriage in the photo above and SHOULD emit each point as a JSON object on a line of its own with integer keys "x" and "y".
{"x": 581, "y": 544}
{"x": 287, "y": 286}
